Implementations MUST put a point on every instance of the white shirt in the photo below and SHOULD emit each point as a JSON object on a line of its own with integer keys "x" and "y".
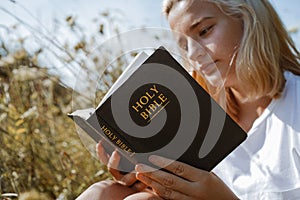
{"x": 267, "y": 164}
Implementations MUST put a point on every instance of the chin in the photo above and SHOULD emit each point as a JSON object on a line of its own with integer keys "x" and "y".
{"x": 215, "y": 79}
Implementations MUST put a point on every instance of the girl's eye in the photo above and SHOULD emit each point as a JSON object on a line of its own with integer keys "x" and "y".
{"x": 183, "y": 47}
{"x": 205, "y": 31}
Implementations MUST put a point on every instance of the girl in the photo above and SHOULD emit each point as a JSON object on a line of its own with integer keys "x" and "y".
{"x": 247, "y": 45}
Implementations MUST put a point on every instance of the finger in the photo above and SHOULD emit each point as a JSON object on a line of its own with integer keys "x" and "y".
{"x": 178, "y": 168}
{"x": 166, "y": 179}
{"x": 139, "y": 186}
{"x": 161, "y": 190}
{"x": 101, "y": 153}
{"x": 113, "y": 164}
{"x": 128, "y": 179}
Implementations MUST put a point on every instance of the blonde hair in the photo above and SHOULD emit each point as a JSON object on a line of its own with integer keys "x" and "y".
{"x": 265, "y": 51}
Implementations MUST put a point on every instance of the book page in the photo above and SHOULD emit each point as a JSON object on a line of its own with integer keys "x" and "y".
{"x": 132, "y": 67}
{"x": 83, "y": 113}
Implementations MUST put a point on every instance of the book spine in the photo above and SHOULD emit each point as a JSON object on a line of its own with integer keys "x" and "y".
{"x": 87, "y": 128}
{"x": 127, "y": 161}
{"x": 111, "y": 134}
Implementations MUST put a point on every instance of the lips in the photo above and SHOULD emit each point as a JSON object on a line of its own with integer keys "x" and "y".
{"x": 207, "y": 68}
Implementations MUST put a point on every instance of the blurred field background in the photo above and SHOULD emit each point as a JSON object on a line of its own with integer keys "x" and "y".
{"x": 41, "y": 154}
{"x": 40, "y": 149}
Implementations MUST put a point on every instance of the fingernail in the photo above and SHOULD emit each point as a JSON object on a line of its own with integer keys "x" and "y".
{"x": 139, "y": 167}
{"x": 153, "y": 158}
{"x": 144, "y": 168}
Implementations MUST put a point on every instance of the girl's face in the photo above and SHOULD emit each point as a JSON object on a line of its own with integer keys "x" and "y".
{"x": 209, "y": 37}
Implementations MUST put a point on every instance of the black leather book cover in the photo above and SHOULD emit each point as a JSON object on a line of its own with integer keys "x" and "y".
{"x": 160, "y": 109}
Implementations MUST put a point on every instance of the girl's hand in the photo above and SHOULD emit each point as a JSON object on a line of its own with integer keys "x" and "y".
{"x": 184, "y": 182}
{"x": 112, "y": 163}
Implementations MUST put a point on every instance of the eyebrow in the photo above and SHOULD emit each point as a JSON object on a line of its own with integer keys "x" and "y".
{"x": 196, "y": 23}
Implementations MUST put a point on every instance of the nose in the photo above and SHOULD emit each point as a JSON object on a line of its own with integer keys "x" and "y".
{"x": 195, "y": 49}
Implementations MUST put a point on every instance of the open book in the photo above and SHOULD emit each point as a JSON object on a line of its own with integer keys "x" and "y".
{"x": 156, "y": 107}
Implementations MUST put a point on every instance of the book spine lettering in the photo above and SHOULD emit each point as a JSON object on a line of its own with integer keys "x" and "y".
{"x": 112, "y": 135}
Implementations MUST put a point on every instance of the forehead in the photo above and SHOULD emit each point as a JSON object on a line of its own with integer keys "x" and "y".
{"x": 185, "y": 13}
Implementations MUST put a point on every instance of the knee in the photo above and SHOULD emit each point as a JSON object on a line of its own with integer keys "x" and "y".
{"x": 106, "y": 190}
{"x": 102, "y": 185}
{"x": 143, "y": 196}
{"x": 97, "y": 191}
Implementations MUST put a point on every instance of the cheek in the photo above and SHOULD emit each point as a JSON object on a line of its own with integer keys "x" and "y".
{"x": 226, "y": 48}
{"x": 221, "y": 44}
{"x": 212, "y": 48}
{"x": 220, "y": 49}
{"x": 228, "y": 40}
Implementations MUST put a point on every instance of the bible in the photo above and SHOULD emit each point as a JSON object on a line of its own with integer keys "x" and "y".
{"x": 157, "y": 108}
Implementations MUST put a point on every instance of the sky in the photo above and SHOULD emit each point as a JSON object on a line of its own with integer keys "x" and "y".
{"x": 132, "y": 14}
{"x": 135, "y": 12}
